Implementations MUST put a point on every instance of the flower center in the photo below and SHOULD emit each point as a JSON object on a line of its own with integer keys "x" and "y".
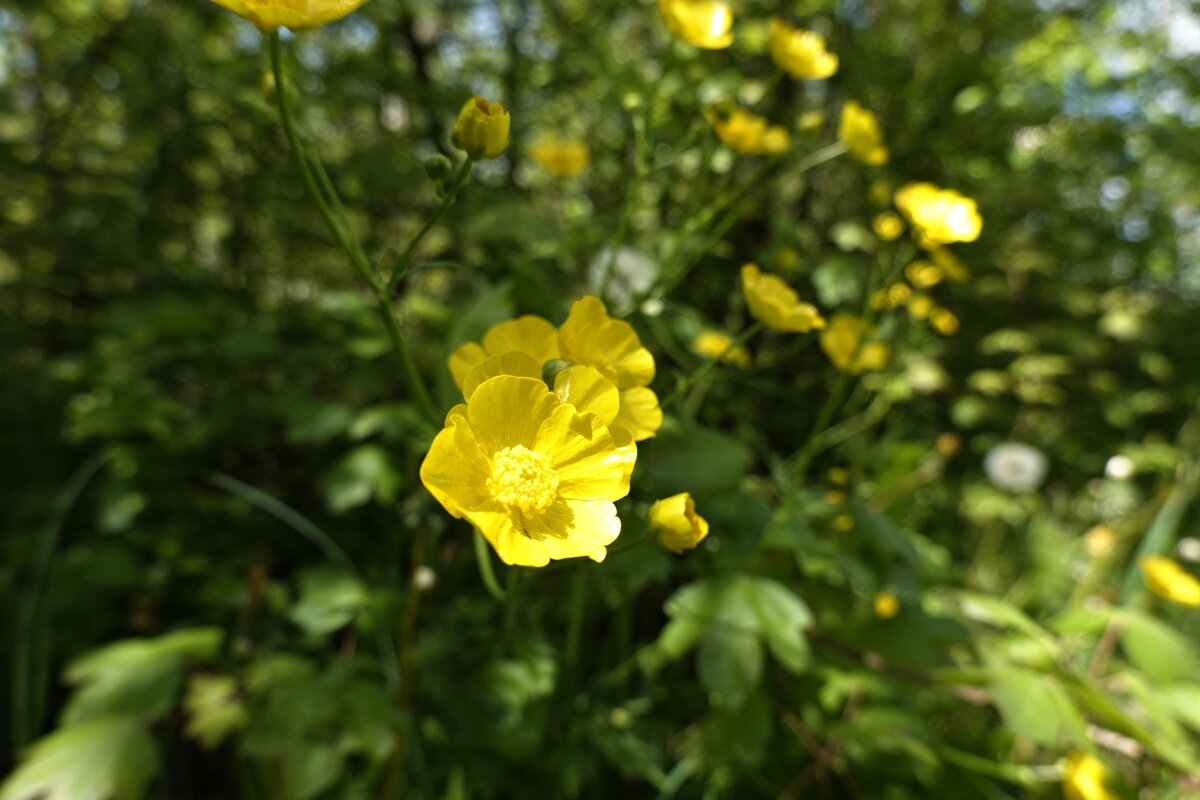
{"x": 522, "y": 479}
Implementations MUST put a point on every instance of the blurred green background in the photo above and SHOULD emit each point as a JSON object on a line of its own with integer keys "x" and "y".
{"x": 197, "y": 390}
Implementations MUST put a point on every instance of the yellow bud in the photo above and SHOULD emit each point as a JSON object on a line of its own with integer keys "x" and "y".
{"x": 899, "y": 294}
{"x": 887, "y": 605}
{"x": 676, "y": 524}
{"x": 943, "y": 321}
{"x": 843, "y": 522}
{"x": 481, "y": 130}
{"x": 922, "y": 274}
{"x": 839, "y": 476}
{"x": 888, "y": 226}
{"x": 920, "y": 306}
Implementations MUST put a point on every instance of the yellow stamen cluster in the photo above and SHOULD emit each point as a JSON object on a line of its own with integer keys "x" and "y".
{"x": 523, "y": 479}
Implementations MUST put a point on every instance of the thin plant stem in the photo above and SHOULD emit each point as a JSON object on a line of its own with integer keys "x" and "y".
{"x": 711, "y": 364}
{"x": 458, "y": 181}
{"x": 483, "y": 559}
{"x": 27, "y": 699}
{"x": 347, "y": 242}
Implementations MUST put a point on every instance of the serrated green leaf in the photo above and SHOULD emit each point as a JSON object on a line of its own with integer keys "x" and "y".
{"x": 782, "y": 618}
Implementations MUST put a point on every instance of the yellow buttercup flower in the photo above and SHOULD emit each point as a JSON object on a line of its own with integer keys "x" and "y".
{"x": 748, "y": 133}
{"x": 704, "y": 23}
{"x": 776, "y": 304}
{"x": 715, "y": 344}
{"x": 481, "y": 130}
{"x": 537, "y": 477}
{"x": 1099, "y": 541}
{"x": 565, "y": 159}
{"x": 886, "y": 605}
{"x": 859, "y": 131}
{"x": 674, "y": 521}
{"x": 530, "y": 335}
{"x": 922, "y": 274}
{"x": 939, "y": 216}
{"x": 591, "y": 337}
{"x": 1170, "y": 581}
{"x": 296, "y": 15}
{"x": 920, "y": 305}
{"x": 840, "y": 341}
{"x": 1083, "y": 778}
{"x": 800, "y": 53}
{"x": 888, "y": 226}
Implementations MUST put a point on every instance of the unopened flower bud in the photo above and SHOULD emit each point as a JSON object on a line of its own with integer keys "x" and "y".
{"x": 439, "y": 168}
{"x": 482, "y": 129}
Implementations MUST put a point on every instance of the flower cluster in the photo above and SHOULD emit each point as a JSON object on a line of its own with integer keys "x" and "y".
{"x": 536, "y": 467}
{"x": 939, "y": 216}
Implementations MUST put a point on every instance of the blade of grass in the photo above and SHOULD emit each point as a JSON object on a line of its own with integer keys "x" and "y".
{"x": 27, "y": 698}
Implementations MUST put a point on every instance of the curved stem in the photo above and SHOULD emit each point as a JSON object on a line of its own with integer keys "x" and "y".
{"x": 346, "y": 241}
{"x": 483, "y": 559}
{"x": 459, "y": 180}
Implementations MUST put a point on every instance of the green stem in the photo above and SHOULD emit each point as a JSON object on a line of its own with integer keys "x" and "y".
{"x": 345, "y": 239}
{"x": 1014, "y": 773}
{"x": 711, "y": 364}
{"x": 483, "y": 559}
{"x": 641, "y": 132}
{"x": 27, "y": 702}
{"x": 832, "y": 403}
{"x": 459, "y": 180}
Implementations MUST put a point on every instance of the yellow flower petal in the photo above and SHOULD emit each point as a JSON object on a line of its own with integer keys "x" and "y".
{"x": 703, "y": 23}
{"x": 859, "y": 131}
{"x": 565, "y": 159}
{"x": 589, "y": 391}
{"x": 583, "y": 455}
{"x": 1170, "y": 581}
{"x": 840, "y": 341}
{"x": 939, "y": 216}
{"x": 591, "y": 337}
{"x": 776, "y": 304}
{"x": 674, "y": 521}
{"x": 1084, "y": 778}
{"x": 455, "y": 471}
{"x": 800, "y": 53}
{"x": 506, "y": 411}
{"x": 529, "y": 334}
{"x": 511, "y": 363}
{"x": 640, "y": 413}
{"x": 297, "y": 15}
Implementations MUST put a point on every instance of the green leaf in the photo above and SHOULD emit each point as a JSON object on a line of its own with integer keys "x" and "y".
{"x": 1183, "y": 701}
{"x": 107, "y": 758}
{"x": 309, "y": 769}
{"x": 328, "y": 601}
{"x": 782, "y": 617}
{"x": 1156, "y": 648}
{"x": 365, "y": 472}
{"x": 138, "y": 677}
{"x": 214, "y": 709}
{"x": 697, "y": 460}
{"x": 692, "y": 609}
{"x": 730, "y": 664}
{"x": 1035, "y": 706}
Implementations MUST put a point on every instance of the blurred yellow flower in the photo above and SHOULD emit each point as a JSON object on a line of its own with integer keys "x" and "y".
{"x": 481, "y": 130}
{"x": 810, "y": 120}
{"x": 843, "y": 523}
{"x": 674, "y": 521}
{"x": 800, "y": 53}
{"x": 716, "y": 344}
{"x": 859, "y": 131}
{"x": 888, "y": 226}
{"x": 296, "y": 15}
{"x": 939, "y": 216}
{"x": 776, "y": 304}
{"x": 943, "y": 321}
{"x": 899, "y": 294}
{"x": 1083, "y": 778}
{"x": 887, "y": 605}
{"x": 947, "y": 443}
{"x": 565, "y": 159}
{"x": 530, "y": 335}
{"x": 533, "y": 474}
{"x": 839, "y": 476}
{"x": 591, "y": 337}
{"x": 840, "y": 341}
{"x": 922, "y": 274}
{"x": 920, "y": 305}
{"x": 1168, "y": 580}
{"x": 748, "y": 133}
{"x": 1099, "y": 541}
{"x": 704, "y": 23}
{"x": 949, "y": 264}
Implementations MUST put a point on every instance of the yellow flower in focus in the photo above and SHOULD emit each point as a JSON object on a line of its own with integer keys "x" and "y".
{"x": 920, "y": 305}
{"x": 674, "y": 521}
{"x": 748, "y": 133}
{"x": 611, "y": 346}
{"x": 859, "y": 131}
{"x": 530, "y": 335}
{"x": 943, "y": 321}
{"x": 840, "y": 341}
{"x": 939, "y": 216}
{"x": 715, "y": 344}
{"x": 1084, "y": 778}
{"x": 776, "y": 304}
{"x": 565, "y": 159}
{"x": 296, "y": 15}
{"x": 800, "y": 53}
{"x": 1170, "y": 581}
{"x": 888, "y": 226}
{"x": 922, "y": 274}
{"x": 704, "y": 23}
{"x": 481, "y": 130}
{"x": 533, "y": 474}
{"x": 887, "y": 605}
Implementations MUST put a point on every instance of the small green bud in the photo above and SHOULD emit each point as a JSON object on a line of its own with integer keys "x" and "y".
{"x": 439, "y": 168}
